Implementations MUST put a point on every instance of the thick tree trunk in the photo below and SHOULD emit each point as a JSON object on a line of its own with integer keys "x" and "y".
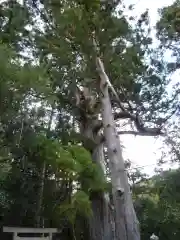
{"x": 126, "y": 224}
{"x": 102, "y": 213}
{"x": 100, "y": 224}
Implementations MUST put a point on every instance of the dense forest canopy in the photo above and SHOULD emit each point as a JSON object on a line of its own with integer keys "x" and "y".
{"x": 74, "y": 77}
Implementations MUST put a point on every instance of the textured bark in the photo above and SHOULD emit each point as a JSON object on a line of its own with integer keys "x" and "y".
{"x": 126, "y": 224}
{"x": 100, "y": 224}
{"x": 102, "y": 213}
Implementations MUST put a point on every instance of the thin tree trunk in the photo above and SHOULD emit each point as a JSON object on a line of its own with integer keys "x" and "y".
{"x": 40, "y": 195}
{"x": 126, "y": 224}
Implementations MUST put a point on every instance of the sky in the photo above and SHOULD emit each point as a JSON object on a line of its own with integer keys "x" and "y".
{"x": 145, "y": 151}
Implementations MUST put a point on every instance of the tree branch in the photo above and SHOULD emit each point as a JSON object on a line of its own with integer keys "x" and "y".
{"x": 122, "y": 115}
{"x": 151, "y": 132}
{"x": 141, "y": 129}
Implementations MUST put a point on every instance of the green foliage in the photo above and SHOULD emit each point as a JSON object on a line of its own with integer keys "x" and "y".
{"x": 13, "y": 21}
{"x": 91, "y": 175}
{"x": 158, "y": 209}
{"x": 168, "y": 32}
{"x": 80, "y": 205}
{"x": 72, "y": 161}
{"x": 169, "y": 24}
{"x": 136, "y": 70}
{"x": 5, "y": 168}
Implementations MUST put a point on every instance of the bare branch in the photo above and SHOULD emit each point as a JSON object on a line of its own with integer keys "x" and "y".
{"x": 151, "y": 132}
{"x": 123, "y": 115}
{"x": 141, "y": 129}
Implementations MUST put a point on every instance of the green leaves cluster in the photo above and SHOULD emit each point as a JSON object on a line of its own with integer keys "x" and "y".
{"x": 158, "y": 207}
{"x": 71, "y": 161}
{"x": 169, "y": 25}
{"x": 80, "y": 205}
